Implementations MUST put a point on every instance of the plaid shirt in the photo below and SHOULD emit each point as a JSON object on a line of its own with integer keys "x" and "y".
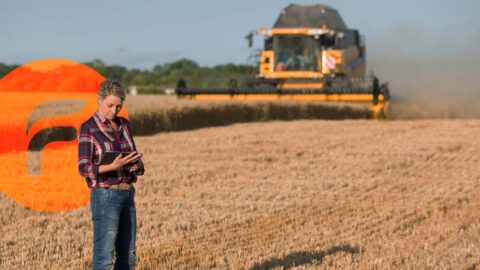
{"x": 97, "y": 136}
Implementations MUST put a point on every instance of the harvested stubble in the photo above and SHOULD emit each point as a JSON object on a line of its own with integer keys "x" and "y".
{"x": 304, "y": 194}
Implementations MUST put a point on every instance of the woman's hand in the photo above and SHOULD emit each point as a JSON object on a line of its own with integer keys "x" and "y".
{"x": 133, "y": 168}
{"x": 120, "y": 162}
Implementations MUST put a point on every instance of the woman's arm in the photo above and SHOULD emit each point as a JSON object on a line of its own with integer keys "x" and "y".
{"x": 86, "y": 148}
{"x": 106, "y": 168}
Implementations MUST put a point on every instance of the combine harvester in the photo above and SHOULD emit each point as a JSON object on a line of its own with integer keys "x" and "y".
{"x": 309, "y": 55}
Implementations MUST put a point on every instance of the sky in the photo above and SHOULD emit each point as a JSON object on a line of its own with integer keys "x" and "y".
{"x": 145, "y": 33}
{"x": 417, "y": 45}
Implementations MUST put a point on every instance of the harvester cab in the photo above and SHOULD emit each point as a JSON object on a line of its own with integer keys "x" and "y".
{"x": 309, "y": 54}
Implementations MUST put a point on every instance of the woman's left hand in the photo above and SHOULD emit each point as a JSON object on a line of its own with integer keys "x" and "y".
{"x": 134, "y": 168}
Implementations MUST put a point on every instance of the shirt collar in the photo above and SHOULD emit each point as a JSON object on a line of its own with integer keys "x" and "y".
{"x": 105, "y": 121}
{"x": 102, "y": 119}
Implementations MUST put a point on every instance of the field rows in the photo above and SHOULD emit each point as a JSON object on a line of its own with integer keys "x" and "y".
{"x": 306, "y": 194}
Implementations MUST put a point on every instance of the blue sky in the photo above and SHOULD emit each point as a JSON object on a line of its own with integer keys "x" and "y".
{"x": 144, "y": 33}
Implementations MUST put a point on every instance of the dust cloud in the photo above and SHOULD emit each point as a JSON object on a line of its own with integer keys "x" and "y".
{"x": 429, "y": 76}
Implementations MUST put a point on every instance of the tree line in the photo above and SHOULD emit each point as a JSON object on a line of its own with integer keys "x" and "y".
{"x": 164, "y": 76}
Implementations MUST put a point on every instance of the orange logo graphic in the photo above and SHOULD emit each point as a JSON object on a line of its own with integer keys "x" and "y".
{"x": 58, "y": 186}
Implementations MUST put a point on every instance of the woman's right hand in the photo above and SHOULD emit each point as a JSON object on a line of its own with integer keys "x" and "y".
{"x": 120, "y": 162}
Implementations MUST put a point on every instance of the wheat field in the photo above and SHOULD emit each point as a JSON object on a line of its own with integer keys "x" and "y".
{"x": 306, "y": 194}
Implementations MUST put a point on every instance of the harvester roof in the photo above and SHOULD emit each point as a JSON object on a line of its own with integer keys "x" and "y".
{"x": 310, "y": 16}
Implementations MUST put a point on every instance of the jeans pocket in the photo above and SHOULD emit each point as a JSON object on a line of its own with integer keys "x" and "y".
{"x": 99, "y": 199}
{"x": 105, "y": 197}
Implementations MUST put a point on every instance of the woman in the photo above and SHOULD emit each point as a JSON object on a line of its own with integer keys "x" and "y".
{"x": 112, "y": 192}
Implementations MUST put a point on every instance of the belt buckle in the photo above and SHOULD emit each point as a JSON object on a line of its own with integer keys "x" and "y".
{"x": 124, "y": 186}
{"x": 121, "y": 186}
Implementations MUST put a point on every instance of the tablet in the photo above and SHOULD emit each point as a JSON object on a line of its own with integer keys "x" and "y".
{"x": 109, "y": 156}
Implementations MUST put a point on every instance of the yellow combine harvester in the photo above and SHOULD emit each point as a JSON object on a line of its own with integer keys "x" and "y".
{"x": 309, "y": 54}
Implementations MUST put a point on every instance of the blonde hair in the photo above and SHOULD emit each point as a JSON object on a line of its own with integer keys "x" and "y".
{"x": 112, "y": 87}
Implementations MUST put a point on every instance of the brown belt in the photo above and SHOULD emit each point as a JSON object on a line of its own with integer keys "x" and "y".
{"x": 122, "y": 186}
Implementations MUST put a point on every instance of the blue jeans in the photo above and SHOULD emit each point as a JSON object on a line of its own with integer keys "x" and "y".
{"x": 114, "y": 228}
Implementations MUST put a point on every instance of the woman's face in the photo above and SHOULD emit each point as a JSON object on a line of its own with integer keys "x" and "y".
{"x": 110, "y": 106}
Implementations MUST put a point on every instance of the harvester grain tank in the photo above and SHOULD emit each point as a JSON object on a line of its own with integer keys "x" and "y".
{"x": 309, "y": 54}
